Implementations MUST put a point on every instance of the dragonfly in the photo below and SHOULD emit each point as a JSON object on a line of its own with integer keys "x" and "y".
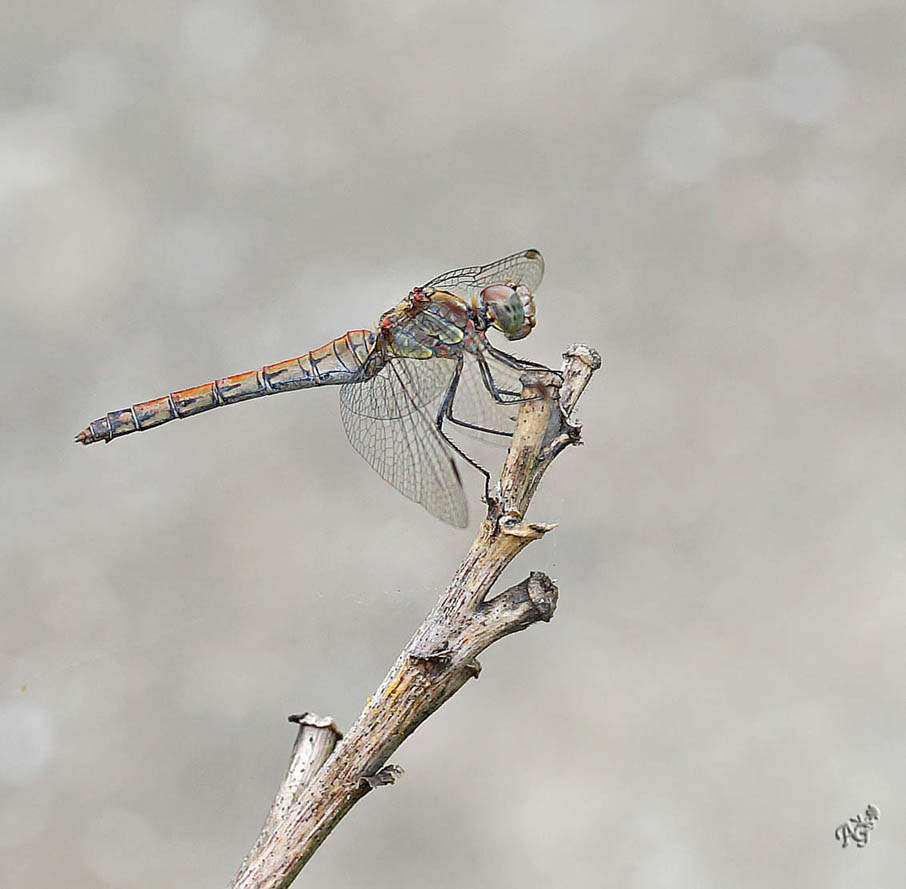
{"x": 425, "y": 366}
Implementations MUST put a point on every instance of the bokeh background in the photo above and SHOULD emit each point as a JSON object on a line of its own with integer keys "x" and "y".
{"x": 191, "y": 189}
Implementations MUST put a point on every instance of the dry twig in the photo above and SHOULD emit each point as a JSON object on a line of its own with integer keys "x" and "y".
{"x": 327, "y": 775}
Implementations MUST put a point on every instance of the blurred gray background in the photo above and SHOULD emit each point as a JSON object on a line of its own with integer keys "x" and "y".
{"x": 192, "y": 189}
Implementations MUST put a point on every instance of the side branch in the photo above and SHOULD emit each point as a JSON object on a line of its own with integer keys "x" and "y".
{"x": 442, "y": 655}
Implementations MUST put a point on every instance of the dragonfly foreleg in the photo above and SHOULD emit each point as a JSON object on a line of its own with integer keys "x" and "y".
{"x": 512, "y": 360}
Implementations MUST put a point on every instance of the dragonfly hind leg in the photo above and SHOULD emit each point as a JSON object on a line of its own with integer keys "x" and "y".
{"x": 501, "y": 396}
{"x": 445, "y": 412}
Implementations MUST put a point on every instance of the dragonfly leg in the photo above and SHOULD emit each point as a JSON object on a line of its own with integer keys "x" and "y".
{"x": 445, "y": 412}
{"x": 466, "y": 425}
{"x": 512, "y": 360}
{"x": 497, "y": 394}
{"x": 516, "y": 364}
{"x": 501, "y": 396}
{"x": 448, "y": 406}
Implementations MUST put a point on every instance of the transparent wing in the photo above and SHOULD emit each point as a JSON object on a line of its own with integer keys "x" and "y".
{"x": 389, "y": 420}
{"x": 525, "y": 267}
{"x": 417, "y": 383}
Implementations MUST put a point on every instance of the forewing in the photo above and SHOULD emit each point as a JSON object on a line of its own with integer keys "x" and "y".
{"x": 389, "y": 420}
{"x": 525, "y": 267}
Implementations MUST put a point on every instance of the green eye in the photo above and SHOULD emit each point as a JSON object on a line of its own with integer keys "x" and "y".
{"x": 510, "y": 316}
{"x": 509, "y": 309}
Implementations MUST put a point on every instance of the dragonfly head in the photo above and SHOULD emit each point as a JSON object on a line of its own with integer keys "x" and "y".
{"x": 510, "y": 308}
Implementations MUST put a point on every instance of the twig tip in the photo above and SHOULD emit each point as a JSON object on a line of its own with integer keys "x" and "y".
{"x": 387, "y": 775}
{"x": 543, "y": 593}
{"x": 511, "y": 525}
{"x": 585, "y": 353}
{"x": 315, "y": 721}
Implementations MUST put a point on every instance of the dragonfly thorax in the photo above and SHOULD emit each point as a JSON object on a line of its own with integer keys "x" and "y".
{"x": 509, "y": 308}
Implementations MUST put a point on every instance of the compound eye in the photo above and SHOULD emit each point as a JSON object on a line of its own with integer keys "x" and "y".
{"x": 507, "y": 310}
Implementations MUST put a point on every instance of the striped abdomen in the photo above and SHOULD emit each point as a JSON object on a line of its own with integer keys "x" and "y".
{"x": 340, "y": 361}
